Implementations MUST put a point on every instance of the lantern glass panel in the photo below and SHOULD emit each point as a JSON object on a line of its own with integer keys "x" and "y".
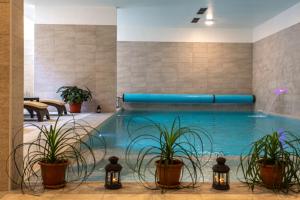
{"x": 114, "y": 177}
{"x": 221, "y": 180}
{"x": 113, "y": 180}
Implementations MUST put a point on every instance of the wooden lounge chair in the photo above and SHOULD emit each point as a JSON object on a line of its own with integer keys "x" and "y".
{"x": 59, "y": 105}
{"x": 39, "y": 108}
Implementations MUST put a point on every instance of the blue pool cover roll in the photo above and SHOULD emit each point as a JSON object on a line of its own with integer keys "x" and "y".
{"x": 188, "y": 98}
{"x": 233, "y": 98}
{"x": 168, "y": 98}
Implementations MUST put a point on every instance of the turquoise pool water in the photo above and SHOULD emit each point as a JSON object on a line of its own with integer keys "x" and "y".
{"x": 231, "y": 132}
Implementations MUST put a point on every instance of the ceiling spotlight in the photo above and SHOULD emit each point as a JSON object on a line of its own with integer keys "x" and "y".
{"x": 209, "y": 22}
{"x": 209, "y": 16}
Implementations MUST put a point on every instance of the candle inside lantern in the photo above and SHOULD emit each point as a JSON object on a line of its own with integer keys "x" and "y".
{"x": 115, "y": 180}
{"x": 220, "y": 180}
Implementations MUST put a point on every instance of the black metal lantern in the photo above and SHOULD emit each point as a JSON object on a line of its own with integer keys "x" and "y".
{"x": 112, "y": 176}
{"x": 98, "y": 110}
{"x": 221, "y": 175}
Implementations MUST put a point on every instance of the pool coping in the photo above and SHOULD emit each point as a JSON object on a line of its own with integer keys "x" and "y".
{"x": 279, "y": 115}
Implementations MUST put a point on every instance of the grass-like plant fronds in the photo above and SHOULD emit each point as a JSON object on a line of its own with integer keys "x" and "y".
{"x": 278, "y": 148}
{"x": 75, "y": 141}
{"x": 156, "y": 142}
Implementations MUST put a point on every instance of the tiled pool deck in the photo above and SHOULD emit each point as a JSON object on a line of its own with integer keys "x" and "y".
{"x": 94, "y": 119}
{"x": 131, "y": 191}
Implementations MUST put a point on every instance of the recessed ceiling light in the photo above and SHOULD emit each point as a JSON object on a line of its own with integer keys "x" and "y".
{"x": 209, "y": 22}
{"x": 209, "y": 16}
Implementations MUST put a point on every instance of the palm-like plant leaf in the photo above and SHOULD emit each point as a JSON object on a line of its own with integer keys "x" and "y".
{"x": 73, "y": 94}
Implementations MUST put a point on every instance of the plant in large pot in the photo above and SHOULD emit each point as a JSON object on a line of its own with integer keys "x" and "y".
{"x": 60, "y": 153}
{"x": 74, "y": 96}
{"x": 167, "y": 156}
{"x": 273, "y": 161}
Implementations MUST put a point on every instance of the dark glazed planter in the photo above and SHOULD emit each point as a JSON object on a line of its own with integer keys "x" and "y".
{"x": 168, "y": 175}
{"x": 271, "y": 175}
{"x": 53, "y": 175}
{"x": 75, "y": 107}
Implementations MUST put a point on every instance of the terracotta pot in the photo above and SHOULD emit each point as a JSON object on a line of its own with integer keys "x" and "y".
{"x": 53, "y": 175}
{"x": 168, "y": 175}
{"x": 272, "y": 175}
{"x": 75, "y": 107}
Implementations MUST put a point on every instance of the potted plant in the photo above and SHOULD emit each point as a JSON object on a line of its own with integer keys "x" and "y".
{"x": 61, "y": 153}
{"x": 273, "y": 161}
{"x": 74, "y": 96}
{"x": 163, "y": 153}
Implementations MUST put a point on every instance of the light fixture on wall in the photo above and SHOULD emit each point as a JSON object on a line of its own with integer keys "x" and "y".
{"x": 209, "y": 22}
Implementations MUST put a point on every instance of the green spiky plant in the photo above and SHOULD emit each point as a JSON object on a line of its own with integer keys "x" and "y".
{"x": 73, "y": 141}
{"x": 279, "y": 149}
{"x": 156, "y": 143}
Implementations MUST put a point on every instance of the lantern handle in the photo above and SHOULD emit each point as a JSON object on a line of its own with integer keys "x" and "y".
{"x": 221, "y": 160}
{"x": 113, "y": 159}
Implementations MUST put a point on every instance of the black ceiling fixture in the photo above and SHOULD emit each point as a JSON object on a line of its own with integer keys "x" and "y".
{"x": 201, "y": 11}
{"x": 195, "y": 20}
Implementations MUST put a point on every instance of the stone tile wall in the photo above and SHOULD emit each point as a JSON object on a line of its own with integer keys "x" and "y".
{"x": 28, "y": 53}
{"x": 169, "y": 67}
{"x": 11, "y": 82}
{"x": 82, "y": 55}
{"x": 28, "y": 68}
{"x": 276, "y": 64}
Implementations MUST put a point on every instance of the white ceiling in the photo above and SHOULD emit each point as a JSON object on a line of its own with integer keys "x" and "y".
{"x": 239, "y": 14}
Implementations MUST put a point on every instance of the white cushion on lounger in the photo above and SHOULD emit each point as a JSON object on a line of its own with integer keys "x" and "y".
{"x": 53, "y": 101}
{"x": 36, "y": 104}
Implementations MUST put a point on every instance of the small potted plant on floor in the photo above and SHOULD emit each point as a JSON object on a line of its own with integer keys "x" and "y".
{"x": 274, "y": 162}
{"x": 60, "y": 153}
{"x": 164, "y": 153}
{"x": 74, "y": 96}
